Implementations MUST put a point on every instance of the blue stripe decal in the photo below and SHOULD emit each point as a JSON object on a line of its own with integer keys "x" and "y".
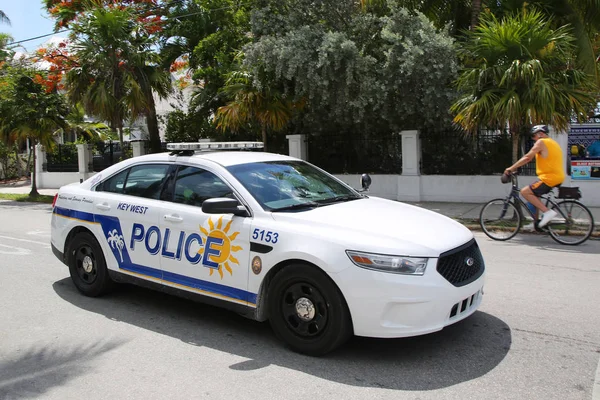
{"x": 65, "y": 212}
{"x": 142, "y": 270}
{"x": 111, "y": 226}
{"x": 212, "y": 287}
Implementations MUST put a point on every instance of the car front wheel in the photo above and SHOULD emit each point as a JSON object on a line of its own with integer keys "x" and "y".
{"x": 307, "y": 310}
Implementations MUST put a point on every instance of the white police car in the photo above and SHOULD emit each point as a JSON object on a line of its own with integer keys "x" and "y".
{"x": 272, "y": 237}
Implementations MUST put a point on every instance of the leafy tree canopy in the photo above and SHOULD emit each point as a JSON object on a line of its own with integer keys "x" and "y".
{"x": 355, "y": 69}
{"x": 29, "y": 109}
{"x": 521, "y": 71}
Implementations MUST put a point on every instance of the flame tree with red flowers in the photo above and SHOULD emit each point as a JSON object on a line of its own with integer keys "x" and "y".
{"x": 110, "y": 63}
{"x": 28, "y": 110}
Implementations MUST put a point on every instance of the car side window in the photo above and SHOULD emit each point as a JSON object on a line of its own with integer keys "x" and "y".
{"x": 114, "y": 184}
{"x": 146, "y": 180}
{"x": 195, "y": 185}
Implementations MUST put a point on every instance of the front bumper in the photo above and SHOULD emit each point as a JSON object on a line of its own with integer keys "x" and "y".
{"x": 389, "y": 305}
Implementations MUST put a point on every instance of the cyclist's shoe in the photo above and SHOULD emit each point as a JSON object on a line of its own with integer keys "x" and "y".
{"x": 548, "y": 215}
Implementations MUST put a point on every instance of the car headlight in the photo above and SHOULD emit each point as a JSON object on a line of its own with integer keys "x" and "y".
{"x": 387, "y": 263}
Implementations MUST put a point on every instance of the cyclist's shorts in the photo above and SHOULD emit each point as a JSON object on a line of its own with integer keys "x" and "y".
{"x": 539, "y": 188}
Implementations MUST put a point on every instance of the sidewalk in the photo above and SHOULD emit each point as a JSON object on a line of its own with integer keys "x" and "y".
{"x": 23, "y": 187}
{"x": 462, "y": 211}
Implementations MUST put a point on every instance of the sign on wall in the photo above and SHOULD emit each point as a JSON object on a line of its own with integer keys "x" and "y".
{"x": 585, "y": 165}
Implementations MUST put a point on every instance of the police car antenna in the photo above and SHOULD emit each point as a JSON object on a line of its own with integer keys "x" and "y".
{"x": 189, "y": 148}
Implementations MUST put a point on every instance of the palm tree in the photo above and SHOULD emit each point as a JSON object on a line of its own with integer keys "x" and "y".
{"x": 4, "y": 18}
{"x": 76, "y": 123}
{"x": 100, "y": 81}
{"x": 521, "y": 73}
{"x": 117, "y": 73}
{"x": 264, "y": 106}
{"x": 153, "y": 80}
{"x": 6, "y": 51}
{"x": 582, "y": 15}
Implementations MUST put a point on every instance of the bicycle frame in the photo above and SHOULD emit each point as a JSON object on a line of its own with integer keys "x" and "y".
{"x": 515, "y": 194}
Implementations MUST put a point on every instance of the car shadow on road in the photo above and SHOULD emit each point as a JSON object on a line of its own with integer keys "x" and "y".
{"x": 545, "y": 242}
{"x": 459, "y": 353}
{"x": 34, "y": 371}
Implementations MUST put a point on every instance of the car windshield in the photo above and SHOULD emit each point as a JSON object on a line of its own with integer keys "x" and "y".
{"x": 291, "y": 185}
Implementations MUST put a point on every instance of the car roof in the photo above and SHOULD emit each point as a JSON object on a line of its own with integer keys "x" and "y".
{"x": 224, "y": 158}
{"x": 228, "y": 158}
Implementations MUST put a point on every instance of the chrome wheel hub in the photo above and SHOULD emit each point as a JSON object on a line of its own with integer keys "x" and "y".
{"x": 305, "y": 309}
{"x": 87, "y": 264}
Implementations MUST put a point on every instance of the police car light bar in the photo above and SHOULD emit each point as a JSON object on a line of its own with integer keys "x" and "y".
{"x": 200, "y": 146}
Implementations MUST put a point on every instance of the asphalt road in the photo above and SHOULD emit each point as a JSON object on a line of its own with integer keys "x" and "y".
{"x": 536, "y": 336}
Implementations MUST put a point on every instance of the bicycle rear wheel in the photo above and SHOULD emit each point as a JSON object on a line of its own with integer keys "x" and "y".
{"x": 576, "y": 228}
{"x": 500, "y": 219}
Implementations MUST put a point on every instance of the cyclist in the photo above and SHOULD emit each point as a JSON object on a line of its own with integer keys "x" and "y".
{"x": 549, "y": 169}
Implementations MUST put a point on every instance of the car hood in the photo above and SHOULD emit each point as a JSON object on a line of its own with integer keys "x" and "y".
{"x": 379, "y": 225}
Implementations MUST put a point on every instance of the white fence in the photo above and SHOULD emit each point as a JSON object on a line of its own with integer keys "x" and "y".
{"x": 414, "y": 187}
{"x": 456, "y": 188}
{"x": 410, "y": 186}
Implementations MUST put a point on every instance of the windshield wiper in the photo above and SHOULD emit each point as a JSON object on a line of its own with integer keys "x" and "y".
{"x": 338, "y": 199}
{"x": 298, "y": 206}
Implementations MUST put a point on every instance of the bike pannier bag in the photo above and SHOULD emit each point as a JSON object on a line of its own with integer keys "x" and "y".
{"x": 569, "y": 193}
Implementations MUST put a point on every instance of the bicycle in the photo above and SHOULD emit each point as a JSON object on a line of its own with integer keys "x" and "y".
{"x": 501, "y": 219}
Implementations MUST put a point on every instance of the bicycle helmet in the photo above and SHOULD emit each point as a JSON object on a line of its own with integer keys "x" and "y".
{"x": 537, "y": 128}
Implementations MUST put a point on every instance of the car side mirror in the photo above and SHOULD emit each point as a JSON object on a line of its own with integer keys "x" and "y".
{"x": 365, "y": 182}
{"x": 224, "y": 205}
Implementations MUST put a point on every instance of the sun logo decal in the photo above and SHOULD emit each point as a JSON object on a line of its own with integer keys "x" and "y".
{"x": 219, "y": 247}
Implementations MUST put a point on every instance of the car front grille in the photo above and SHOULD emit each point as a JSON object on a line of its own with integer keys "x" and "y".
{"x": 462, "y": 265}
{"x": 465, "y": 306}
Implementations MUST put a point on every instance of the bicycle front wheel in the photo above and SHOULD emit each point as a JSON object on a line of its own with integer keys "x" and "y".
{"x": 573, "y": 224}
{"x": 500, "y": 219}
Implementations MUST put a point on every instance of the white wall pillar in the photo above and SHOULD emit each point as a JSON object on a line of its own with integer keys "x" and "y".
{"x": 84, "y": 158}
{"x": 562, "y": 138}
{"x": 138, "y": 147}
{"x": 40, "y": 164}
{"x": 411, "y": 153}
{"x": 297, "y": 146}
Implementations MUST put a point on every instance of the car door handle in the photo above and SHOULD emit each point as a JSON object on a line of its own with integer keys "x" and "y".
{"x": 103, "y": 206}
{"x": 173, "y": 218}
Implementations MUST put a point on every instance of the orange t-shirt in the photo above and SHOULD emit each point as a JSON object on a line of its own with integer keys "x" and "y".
{"x": 550, "y": 169}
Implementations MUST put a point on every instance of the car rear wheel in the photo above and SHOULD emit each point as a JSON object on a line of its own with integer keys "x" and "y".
{"x": 87, "y": 266}
{"x": 307, "y": 310}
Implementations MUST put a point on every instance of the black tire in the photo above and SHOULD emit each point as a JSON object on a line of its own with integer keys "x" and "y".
{"x": 576, "y": 229}
{"x": 87, "y": 266}
{"x": 324, "y": 327}
{"x": 500, "y": 219}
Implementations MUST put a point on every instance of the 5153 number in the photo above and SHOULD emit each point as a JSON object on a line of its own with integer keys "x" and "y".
{"x": 265, "y": 236}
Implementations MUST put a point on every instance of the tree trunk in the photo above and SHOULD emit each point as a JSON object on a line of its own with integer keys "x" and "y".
{"x": 34, "y": 191}
{"x": 120, "y": 132}
{"x": 514, "y": 134}
{"x": 264, "y": 137}
{"x": 18, "y": 162}
{"x": 475, "y": 11}
{"x": 152, "y": 123}
{"x": 28, "y": 165}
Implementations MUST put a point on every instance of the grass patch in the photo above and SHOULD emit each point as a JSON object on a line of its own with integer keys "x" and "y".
{"x": 42, "y": 198}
